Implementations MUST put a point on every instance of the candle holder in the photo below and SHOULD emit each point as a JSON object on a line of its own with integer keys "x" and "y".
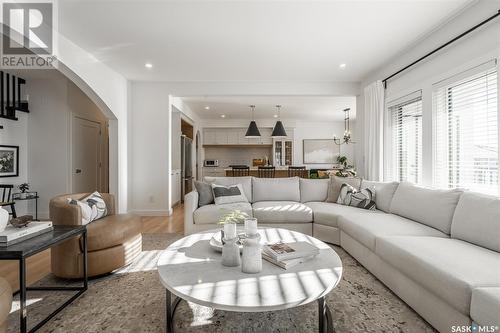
{"x": 230, "y": 249}
{"x": 251, "y": 261}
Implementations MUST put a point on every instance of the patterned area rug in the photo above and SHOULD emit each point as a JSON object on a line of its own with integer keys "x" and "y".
{"x": 133, "y": 300}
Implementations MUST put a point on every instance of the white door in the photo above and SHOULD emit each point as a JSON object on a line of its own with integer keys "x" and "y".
{"x": 86, "y": 155}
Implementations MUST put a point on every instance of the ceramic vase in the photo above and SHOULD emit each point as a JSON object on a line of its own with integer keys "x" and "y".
{"x": 4, "y": 219}
{"x": 230, "y": 246}
{"x": 251, "y": 261}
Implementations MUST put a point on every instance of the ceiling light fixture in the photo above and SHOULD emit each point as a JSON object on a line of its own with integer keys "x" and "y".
{"x": 342, "y": 66}
{"x": 148, "y": 65}
{"x": 223, "y": 116}
{"x": 279, "y": 129}
{"x": 207, "y": 107}
{"x": 253, "y": 130}
{"x": 275, "y": 116}
{"x": 346, "y": 139}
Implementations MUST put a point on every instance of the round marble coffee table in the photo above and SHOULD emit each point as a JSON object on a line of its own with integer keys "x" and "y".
{"x": 191, "y": 270}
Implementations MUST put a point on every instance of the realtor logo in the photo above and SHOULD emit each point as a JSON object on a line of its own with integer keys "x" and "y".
{"x": 27, "y": 34}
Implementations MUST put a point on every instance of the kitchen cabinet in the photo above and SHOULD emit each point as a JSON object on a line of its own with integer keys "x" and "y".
{"x": 209, "y": 136}
{"x": 283, "y": 149}
{"x": 235, "y": 136}
{"x": 213, "y": 172}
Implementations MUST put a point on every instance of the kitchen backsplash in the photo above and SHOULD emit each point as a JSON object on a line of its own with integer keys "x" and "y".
{"x": 241, "y": 155}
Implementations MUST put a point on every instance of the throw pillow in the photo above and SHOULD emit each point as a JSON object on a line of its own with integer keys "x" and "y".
{"x": 93, "y": 207}
{"x": 228, "y": 194}
{"x": 336, "y": 183}
{"x": 349, "y": 196}
{"x": 205, "y": 195}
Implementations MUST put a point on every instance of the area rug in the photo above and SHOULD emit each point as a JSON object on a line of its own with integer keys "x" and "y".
{"x": 133, "y": 300}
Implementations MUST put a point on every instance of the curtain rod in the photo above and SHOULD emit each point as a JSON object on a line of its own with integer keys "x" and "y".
{"x": 441, "y": 47}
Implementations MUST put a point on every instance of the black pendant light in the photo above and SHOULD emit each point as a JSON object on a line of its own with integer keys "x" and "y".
{"x": 253, "y": 130}
{"x": 279, "y": 129}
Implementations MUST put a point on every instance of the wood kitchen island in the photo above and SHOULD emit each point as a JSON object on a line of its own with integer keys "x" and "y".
{"x": 281, "y": 172}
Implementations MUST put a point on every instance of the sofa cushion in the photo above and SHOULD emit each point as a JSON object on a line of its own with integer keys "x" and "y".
{"x": 211, "y": 214}
{"x": 367, "y": 226}
{"x": 449, "y": 268}
{"x": 246, "y": 182}
{"x": 276, "y": 189}
{"x": 432, "y": 207}
{"x": 477, "y": 220}
{"x": 313, "y": 189}
{"x": 112, "y": 230}
{"x": 384, "y": 192}
{"x": 326, "y": 213}
{"x": 282, "y": 212}
{"x": 206, "y": 196}
{"x": 485, "y": 306}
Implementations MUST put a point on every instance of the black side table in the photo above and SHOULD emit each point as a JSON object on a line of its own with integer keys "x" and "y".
{"x": 34, "y": 196}
{"x": 21, "y": 251}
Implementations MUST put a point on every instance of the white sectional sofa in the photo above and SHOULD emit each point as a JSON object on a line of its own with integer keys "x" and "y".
{"x": 438, "y": 250}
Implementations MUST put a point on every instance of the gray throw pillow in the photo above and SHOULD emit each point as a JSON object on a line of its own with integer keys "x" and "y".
{"x": 349, "y": 196}
{"x": 336, "y": 183}
{"x": 205, "y": 195}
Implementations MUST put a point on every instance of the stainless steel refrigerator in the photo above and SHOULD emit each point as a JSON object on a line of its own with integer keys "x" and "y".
{"x": 186, "y": 166}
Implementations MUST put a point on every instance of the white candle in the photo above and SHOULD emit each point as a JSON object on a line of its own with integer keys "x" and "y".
{"x": 229, "y": 230}
{"x": 251, "y": 226}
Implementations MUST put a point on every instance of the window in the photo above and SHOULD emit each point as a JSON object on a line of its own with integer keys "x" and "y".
{"x": 466, "y": 131}
{"x": 404, "y": 153}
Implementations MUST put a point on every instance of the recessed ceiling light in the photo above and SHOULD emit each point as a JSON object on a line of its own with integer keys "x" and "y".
{"x": 148, "y": 65}
{"x": 275, "y": 116}
{"x": 207, "y": 107}
{"x": 342, "y": 66}
{"x": 223, "y": 116}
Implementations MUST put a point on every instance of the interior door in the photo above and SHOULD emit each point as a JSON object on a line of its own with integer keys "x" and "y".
{"x": 86, "y": 155}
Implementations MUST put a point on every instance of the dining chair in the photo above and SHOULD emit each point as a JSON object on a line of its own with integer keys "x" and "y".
{"x": 298, "y": 171}
{"x": 240, "y": 171}
{"x": 7, "y": 198}
{"x": 266, "y": 172}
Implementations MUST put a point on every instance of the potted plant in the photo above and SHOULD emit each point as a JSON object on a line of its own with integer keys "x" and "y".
{"x": 24, "y": 188}
{"x": 346, "y": 170}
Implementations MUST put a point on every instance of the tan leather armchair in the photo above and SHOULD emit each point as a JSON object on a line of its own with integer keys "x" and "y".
{"x": 5, "y": 303}
{"x": 113, "y": 241}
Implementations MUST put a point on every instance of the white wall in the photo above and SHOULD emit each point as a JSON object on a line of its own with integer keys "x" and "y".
{"x": 150, "y": 149}
{"x": 478, "y": 47}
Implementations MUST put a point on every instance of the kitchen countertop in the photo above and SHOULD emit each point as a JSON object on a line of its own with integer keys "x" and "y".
{"x": 280, "y": 168}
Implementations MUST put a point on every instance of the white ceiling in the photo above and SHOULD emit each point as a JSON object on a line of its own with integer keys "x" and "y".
{"x": 254, "y": 40}
{"x": 310, "y": 108}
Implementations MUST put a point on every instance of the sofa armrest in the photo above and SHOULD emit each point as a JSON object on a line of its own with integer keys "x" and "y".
{"x": 190, "y": 205}
{"x": 63, "y": 213}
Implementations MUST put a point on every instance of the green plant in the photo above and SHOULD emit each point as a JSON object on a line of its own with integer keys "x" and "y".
{"x": 233, "y": 216}
{"x": 24, "y": 187}
{"x": 346, "y": 170}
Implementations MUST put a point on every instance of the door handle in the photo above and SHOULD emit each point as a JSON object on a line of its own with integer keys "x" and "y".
{"x": 78, "y": 171}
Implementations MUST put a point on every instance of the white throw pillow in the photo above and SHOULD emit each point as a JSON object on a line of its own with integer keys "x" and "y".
{"x": 93, "y": 207}
{"x": 228, "y": 194}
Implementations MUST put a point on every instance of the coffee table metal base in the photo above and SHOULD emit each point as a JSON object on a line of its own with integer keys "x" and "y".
{"x": 324, "y": 314}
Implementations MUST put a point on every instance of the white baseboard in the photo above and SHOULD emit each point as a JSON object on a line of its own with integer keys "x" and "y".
{"x": 163, "y": 212}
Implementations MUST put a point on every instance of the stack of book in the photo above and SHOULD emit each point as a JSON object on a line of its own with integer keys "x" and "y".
{"x": 287, "y": 255}
{"x": 12, "y": 235}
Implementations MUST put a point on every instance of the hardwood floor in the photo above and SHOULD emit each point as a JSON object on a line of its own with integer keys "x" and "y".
{"x": 38, "y": 266}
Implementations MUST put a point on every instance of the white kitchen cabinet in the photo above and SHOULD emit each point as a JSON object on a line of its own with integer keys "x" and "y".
{"x": 236, "y": 136}
{"x": 232, "y": 136}
{"x": 221, "y": 136}
{"x": 213, "y": 172}
{"x": 209, "y": 136}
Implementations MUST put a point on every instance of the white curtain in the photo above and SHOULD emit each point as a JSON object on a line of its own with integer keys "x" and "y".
{"x": 373, "y": 131}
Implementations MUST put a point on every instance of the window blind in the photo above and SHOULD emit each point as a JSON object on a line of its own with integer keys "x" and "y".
{"x": 405, "y": 151}
{"x": 466, "y": 132}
